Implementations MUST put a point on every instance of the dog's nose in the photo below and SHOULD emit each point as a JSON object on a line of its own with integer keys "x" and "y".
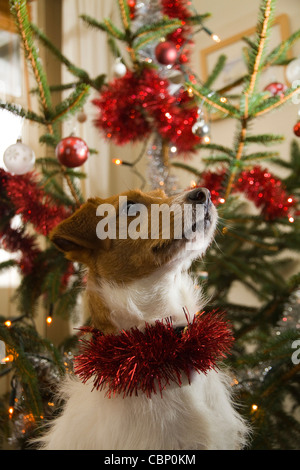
{"x": 199, "y": 196}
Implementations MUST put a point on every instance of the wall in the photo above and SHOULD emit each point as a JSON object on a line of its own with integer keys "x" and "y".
{"x": 232, "y": 17}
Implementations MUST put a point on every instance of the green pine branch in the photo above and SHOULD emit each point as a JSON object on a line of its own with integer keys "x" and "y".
{"x": 279, "y": 54}
{"x": 107, "y": 26}
{"x": 213, "y": 100}
{"x": 78, "y": 72}
{"x": 125, "y": 14}
{"x": 218, "y": 68}
{"x": 264, "y": 139}
{"x": 23, "y": 113}
{"x": 259, "y": 156}
{"x": 154, "y": 31}
{"x": 72, "y": 103}
{"x": 20, "y": 13}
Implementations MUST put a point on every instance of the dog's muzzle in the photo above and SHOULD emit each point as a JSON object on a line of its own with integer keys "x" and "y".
{"x": 201, "y": 196}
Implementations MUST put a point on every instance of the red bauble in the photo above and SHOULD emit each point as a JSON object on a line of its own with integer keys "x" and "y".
{"x": 276, "y": 88}
{"x": 297, "y": 129}
{"x": 166, "y": 53}
{"x": 72, "y": 152}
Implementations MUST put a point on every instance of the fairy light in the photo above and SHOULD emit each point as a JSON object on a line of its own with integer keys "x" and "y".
{"x": 222, "y": 200}
{"x": 223, "y": 99}
{"x": 11, "y": 410}
{"x": 291, "y": 220}
{"x": 290, "y": 199}
{"x": 7, "y": 323}
{"x": 214, "y": 36}
{"x": 119, "y": 162}
{"x": 206, "y": 139}
{"x": 254, "y": 407}
{"x": 8, "y": 358}
{"x": 190, "y": 92}
{"x": 49, "y": 320}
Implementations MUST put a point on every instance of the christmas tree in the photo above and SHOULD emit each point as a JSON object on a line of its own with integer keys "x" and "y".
{"x": 156, "y": 99}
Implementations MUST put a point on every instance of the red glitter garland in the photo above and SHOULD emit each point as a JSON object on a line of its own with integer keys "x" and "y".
{"x": 265, "y": 190}
{"x": 32, "y": 202}
{"x": 23, "y": 195}
{"x": 181, "y": 36}
{"x": 133, "y": 106}
{"x": 137, "y": 361}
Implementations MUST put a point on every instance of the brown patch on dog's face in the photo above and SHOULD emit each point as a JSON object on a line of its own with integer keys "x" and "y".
{"x": 123, "y": 259}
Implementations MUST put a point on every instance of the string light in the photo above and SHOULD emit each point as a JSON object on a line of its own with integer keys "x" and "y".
{"x": 254, "y": 407}
{"x": 49, "y": 318}
{"x": 12, "y": 398}
{"x": 214, "y": 36}
{"x": 118, "y": 162}
{"x": 291, "y": 220}
{"x": 7, "y": 323}
{"x": 8, "y": 358}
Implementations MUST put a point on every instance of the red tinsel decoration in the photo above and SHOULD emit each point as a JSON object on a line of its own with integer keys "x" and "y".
{"x": 133, "y": 106}
{"x": 31, "y": 201}
{"x": 141, "y": 361}
{"x": 265, "y": 190}
{"x": 17, "y": 241}
{"x": 23, "y": 195}
{"x": 181, "y": 36}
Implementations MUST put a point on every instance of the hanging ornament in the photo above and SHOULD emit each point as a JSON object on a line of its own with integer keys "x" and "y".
{"x": 72, "y": 152}
{"x": 119, "y": 69}
{"x": 293, "y": 70}
{"x": 166, "y": 53}
{"x": 276, "y": 88}
{"x": 297, "y": 129}
{"x": 19, "y": 158}
{"x": 81, "y": 117}
{"x": 201, "y": 128}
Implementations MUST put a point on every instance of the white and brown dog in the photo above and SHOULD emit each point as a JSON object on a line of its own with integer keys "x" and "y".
{"x": 133, "y": 280}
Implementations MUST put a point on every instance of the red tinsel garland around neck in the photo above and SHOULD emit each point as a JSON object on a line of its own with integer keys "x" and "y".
{"x": 137, "y": 361}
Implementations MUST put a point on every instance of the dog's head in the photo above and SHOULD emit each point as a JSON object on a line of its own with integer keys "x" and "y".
{"x": 129, "y": 236}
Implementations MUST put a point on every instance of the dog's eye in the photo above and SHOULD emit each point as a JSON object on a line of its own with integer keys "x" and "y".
{"x": 130, "y": 208}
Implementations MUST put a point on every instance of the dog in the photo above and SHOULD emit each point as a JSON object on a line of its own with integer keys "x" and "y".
{"x": 131, "y": 281}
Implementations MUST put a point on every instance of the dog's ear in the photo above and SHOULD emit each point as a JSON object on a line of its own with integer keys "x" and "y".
{"x": 76, "y": 236}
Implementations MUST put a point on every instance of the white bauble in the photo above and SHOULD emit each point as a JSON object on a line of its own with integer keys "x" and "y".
{"x": 119, "y": 69}
{"x": 293, "y": 70}
{"x": 19, "y": 158}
